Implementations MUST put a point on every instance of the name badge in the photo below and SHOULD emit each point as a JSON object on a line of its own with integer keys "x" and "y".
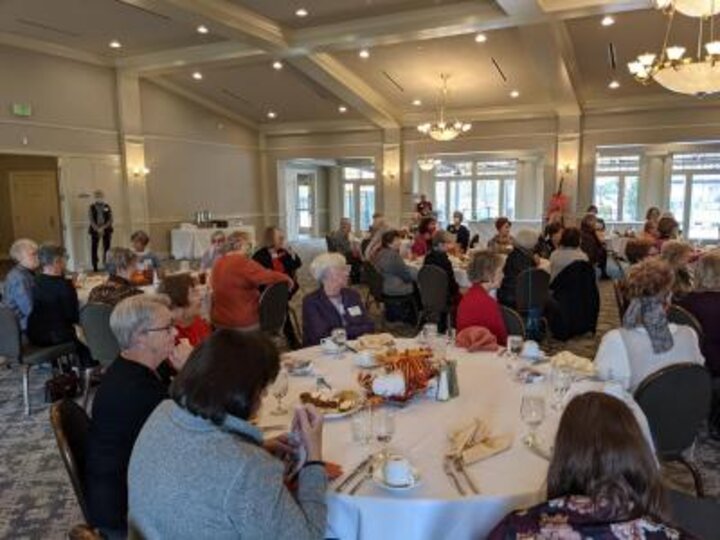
{"x": 355, "y": 311}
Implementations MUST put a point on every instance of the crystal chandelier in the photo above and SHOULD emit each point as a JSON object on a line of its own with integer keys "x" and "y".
{"x": 697, "y": 76}
{"x": 427, "y": 164}
{"x": 442, "y": 130}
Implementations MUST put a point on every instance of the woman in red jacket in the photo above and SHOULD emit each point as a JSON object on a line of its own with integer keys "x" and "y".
{"x": 477, "y": 307}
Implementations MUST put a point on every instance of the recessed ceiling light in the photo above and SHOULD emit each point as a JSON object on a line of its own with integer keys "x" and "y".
{"x": 115, "y": 44}
{"x": 271, "y": 114}
{"x": 342, "y": 109}
{"x": 197, "y": 76}
{"x": 364, "y": 54}
{"x": 202, "y": 29}
{"x": 417, "y": 102}
{"x": 277, "y": 64}
{"x": 608, "y": 21}
{"x": 614, "y": 85}
{"x": 301, "y": 12}
{"x": 481, "y": 38}
{"x": 514, "y": 94}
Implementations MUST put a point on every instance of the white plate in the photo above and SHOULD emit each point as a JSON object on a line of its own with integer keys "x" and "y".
{"x": 379, "y": 479}
{"x": 300, "y": 372}
{"x": 344, "y": 414}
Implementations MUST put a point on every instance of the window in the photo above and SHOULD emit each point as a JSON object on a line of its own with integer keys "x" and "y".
{"x": 616, "y": 187}
{"x": 359, "y": 196}
{"x": 695, "y": 194}
{"x": 479, "y": 189}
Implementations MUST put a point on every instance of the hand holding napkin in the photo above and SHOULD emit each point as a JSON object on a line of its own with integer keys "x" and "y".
{"x": 474, "y": 442}
{"x": 476, "y": 338}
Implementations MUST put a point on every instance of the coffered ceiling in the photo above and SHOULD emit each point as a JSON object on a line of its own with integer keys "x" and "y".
{"x": 555, "y": 54}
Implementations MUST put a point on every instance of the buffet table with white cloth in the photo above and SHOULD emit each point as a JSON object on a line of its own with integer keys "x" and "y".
{"x": 433, "y": 509}
{"x": 191, "y": 243}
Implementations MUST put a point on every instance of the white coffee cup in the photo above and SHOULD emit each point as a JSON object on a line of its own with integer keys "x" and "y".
{"x": 328, "y": 345}
{"x": 364, "y": 359}
{"x": 398, "y": 472}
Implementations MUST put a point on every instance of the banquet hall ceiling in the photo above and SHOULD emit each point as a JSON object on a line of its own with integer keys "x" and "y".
{"x": 555, "y": 53}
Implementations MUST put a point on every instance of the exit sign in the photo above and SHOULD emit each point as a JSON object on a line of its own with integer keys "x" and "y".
{"x": 22, "y": 109}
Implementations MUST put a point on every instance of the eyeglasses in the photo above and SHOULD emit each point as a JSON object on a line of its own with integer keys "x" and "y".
{"x": 167, "y": 328}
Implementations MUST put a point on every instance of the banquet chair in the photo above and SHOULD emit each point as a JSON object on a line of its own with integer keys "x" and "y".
{"x": 433, "y": 285}
{"x": 12, "y": 348}
{"x": 676, "y": 402}
{"x": 699, "y": 517}
{"x": 70, "y": 424}
{"x": 104, "y": 348}
{"x": 374, "y": 281}
{"x": 532, "y": 293}
{"x": 680, "y": 315}
{"x": 273, "y": 309}
{"x": 330, "y": 244}
{"x": 513, "y": 321}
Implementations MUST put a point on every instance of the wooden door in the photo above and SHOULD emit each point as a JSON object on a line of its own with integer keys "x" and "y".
{"x": 35, "y": 206}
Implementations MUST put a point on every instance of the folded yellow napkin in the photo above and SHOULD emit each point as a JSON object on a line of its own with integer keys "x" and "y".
{"x": 474, "y": 442}
{"x": 375, "y": 341}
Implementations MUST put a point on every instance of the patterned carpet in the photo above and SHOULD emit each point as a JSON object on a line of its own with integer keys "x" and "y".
{"x": 36, "y": 499}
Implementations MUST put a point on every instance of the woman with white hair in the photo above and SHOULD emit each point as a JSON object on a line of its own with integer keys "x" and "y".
{"x": 130, "y": 390}
{"x": 17, "y": 290}
{"x": 521, "y": 258}
{"x": 214, "y": 252}
{"x": 333, "y": 304}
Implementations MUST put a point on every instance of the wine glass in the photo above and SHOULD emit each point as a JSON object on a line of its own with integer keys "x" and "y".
{"x": 279, "y": 390}
{"x": 429, "y": 331}
{"x": 384, "y": 427}
{"x": 532, "y": 412}
{"x": 560, "y": 381}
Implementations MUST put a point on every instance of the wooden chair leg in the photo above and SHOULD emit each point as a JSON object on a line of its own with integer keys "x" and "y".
{"x": 697, "y": 477}
{"x": 26, "y": 388}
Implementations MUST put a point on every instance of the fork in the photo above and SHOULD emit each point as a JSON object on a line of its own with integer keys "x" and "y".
{"x": 447, "y": 467}
{"x": 368, "y": 474}
{"x": 460, "y": 467}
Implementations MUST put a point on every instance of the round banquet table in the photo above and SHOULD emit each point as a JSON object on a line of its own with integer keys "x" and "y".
{"x": 433, "y": 509}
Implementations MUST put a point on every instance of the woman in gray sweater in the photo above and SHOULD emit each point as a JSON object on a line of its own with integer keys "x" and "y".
{"x": 398, "y": 278}
{"x": 199, "y": 469}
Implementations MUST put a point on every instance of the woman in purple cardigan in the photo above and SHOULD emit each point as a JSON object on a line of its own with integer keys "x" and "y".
{"x": 333, "y": 304}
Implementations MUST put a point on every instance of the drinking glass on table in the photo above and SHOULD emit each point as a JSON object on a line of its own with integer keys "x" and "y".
{"x": 560, "y": 382}
{"x": 383, "y": 423}
{"x": 515, "y": 345}
{"x": 361, "y": 424}
{"x": 279, "y": 389}
{"x": 339, "y": 337}
{"x": 429, "y": 332}
{"x": 532, "y": 412}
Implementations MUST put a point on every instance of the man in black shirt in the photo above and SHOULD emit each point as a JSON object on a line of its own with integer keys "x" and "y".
{"x": 101, "y": 226}
{"x": 130, "y": 390}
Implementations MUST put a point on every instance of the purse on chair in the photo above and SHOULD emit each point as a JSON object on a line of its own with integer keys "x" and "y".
{"x": 62, "y": 385}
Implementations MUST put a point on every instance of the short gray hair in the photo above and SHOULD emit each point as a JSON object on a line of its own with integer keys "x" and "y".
{"x": 526, "y": 238}
{"x": 19, "y": 247}
{"x": 136, "y": 314}
{"x": 483, "y": 266}
{"x": 324, "y": 262}
{"x": 49, "y": 253}
{"x": 119, "y": 259}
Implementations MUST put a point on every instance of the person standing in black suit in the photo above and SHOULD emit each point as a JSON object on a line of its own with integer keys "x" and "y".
{"x": 101, "y": 226}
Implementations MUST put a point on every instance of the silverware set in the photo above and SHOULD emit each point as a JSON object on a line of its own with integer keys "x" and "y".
{"x": 364, "y": 470}
{"x": 455, "y": 470}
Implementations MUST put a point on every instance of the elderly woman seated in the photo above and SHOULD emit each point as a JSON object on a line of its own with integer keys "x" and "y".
{"x": 646, "y": 342}
{"x": 398, "y": 278}
{"x": 667, "y": 229}
{"x": 131, "y": 388}
{"x": 477, "y": 307}
{"x": 333, "y": 304}
{"x": 602, "y": 481}
{"x": 520, "y": 259}
{"x": 704, "y": 303}
{"x": 236, "y": 280}
{"x": 186, "y": 306}
{"x": 199, "y": 469}
{"x": 17, "y": 289}
{"x": 678, "y": 255}
{"x": 214, "y": 252}
{"x": 120, "y": 263}
{"x": 140, "y": 242}
{"x": 638, "y": 249}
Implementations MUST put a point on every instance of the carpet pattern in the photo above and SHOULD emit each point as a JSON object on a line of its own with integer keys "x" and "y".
{"x": 36, "y": 498}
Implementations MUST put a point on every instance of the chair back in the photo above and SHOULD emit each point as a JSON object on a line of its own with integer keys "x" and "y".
{"x": 620, "y": 300}
{"x": 273, "y": 307}
{"x": 433, "y": 285}
{"x": 697, "y": 516}
{"x": 680, "y": 315}
{"x": 676, "y": 401}
{"x": 532, "y": 290}
{"x": 10, "y": 340}
{"x": 513, "y": 321}
{"x": 70, "y": 424}
{"x": 95, "y": 323}
{"x": 374, "y": 280}
{"x": 330, "y": 243}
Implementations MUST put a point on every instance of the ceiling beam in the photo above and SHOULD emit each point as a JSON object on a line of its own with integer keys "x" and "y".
{"x": 52, "y": 49}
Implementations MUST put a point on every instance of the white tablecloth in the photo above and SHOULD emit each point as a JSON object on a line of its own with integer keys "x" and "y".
{"x": 433, "y": 509}
{"x": 192, "y": 243}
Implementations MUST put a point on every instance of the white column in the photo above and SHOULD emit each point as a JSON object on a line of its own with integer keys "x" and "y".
{"x": 567, "y": 160}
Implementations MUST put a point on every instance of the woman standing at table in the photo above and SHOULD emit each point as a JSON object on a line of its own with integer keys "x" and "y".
{"x": 423, "y": 239}
{"x": 333, "y": 304}
{"x": 503, "y": 241}
{"x": 477, "y": 307}
{"x": 186, "y": 307}
{"x": 603, "y": 480}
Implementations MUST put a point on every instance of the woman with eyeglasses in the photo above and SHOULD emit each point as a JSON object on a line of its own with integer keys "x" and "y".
{"x": 131, "y": 388}
{"x": 214, "y": 252}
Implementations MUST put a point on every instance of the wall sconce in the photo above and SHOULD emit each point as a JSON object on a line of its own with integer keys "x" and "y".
{"x": 567, "y": 169}
{"x": 140, "y": 171}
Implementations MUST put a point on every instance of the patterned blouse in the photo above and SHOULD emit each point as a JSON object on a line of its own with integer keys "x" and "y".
{"x": 576, "y": 518}
{"x": 112, "y": 291}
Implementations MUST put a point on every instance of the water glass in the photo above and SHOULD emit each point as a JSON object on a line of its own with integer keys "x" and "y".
{"x": 560, "y": 382}
{"x": 361, "y": 424}
{"x": 279, "y": 390}
{"x": 515, "y": 345}
{"x": 339, "y": 337}
{"x": 429, "y": 332}
{"x": 439, "y": 347}
{"x": 383, "y": 423}
{"x": 532, "y": 412}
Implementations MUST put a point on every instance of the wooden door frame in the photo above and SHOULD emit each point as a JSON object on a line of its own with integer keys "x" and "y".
{"x": 56, "y": 176}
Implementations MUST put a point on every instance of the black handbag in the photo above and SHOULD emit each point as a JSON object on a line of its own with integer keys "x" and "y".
{"x": 62, "y": 385}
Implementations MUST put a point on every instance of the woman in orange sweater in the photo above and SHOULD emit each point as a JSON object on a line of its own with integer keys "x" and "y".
{"x": 235, "y": 282}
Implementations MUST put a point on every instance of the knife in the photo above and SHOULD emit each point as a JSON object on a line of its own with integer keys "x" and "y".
{"x": 460, "y": 467}
{"x": 449, "y": 472}
{"x": 364, "y": 463}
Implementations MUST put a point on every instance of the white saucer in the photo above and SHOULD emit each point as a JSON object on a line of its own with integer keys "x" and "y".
{"x": 379, "y": 479}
